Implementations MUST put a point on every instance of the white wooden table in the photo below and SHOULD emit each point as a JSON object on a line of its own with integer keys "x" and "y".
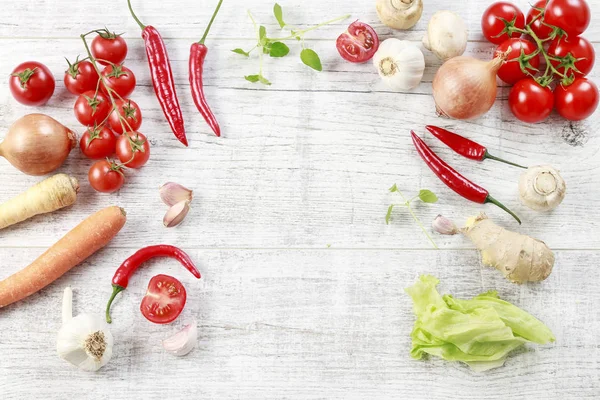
{"x": 302, "y": 291}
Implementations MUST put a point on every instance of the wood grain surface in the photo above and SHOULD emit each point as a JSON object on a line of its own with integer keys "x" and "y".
{"x": 302, "y": 295}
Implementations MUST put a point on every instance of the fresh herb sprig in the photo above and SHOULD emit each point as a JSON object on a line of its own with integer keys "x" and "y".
{"x": 426, "y": 196}
{"x": 275, "y": 47}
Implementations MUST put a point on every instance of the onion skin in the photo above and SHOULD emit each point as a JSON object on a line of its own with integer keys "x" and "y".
{"x": 465, "y": 88}
{"x": 37, "y": 144}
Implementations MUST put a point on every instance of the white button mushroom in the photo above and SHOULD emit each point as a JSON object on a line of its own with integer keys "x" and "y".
{"x": 399, "y": 14}
{"x": 446, "y": 35}
{"x": 541, "y": 188}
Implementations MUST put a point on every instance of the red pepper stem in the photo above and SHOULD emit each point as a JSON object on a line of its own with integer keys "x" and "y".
{"x": 491, "y": 157}
{"x": 490, "y": 199}
{"x": 135, "y": 16}
{"x": 210, "y": 23}
{"x": 116, "y": 290}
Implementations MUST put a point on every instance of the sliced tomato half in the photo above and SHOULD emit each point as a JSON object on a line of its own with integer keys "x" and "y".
{"x": 164, "y": 299}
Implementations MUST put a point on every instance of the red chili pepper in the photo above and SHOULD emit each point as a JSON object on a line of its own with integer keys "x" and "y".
{"x": 162, "y": 77}
{"x": 197, "y": 55}
{"x": 129, "y": 266}
{"x": 465, "y": 147}
{"x": 453, "y": 179}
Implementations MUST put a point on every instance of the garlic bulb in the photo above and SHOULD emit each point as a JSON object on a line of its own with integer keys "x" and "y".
{"x": 541, "y": 188}
{"x": 400, "y": 64}
{"x": 183, "y": 341}
{"x": 446, "y": 35}
{"x": 399, "y": 14}
{"x": 85, "y": 340}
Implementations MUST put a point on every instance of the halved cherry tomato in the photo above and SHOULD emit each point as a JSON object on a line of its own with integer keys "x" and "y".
{"x": 108, "y": 48}
{"x": 530, "y": 102}
{"x": 497, "y": 19}
{"x": 577, "y": 101}
{"x": 133, "y": 149}
{"x": 98, "y": 142}
{"x": 572, "y": 16}
{"x": 120, "y": 79}
{"x": 106, "y": 176}
{"x": 130, "y": 112}
{"x": 81, "y": 77}
{"x": 92, "y": 108}
{"x": 539, "y": 27}
{"x": 358, "y": 44}
{"x": 577, "y": 55}
{"x": 31, "y": 83}
{"x": 519, "y": 60}
{"x": 164, "y": 299}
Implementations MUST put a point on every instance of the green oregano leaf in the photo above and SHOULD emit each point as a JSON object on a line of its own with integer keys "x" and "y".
{"x": 279, "y": 49}
{"x": 311, "y": 58}
{"x": 393, "y": 188}
{"x": 252, "y": 78}
{"x": 278, "y": 12}
{"x": 264, "y": 80}
{"x": 262, "y": 35}
{"x": 389, "y": 214}
{"x": 427, "y": 196}
{"x": 242, "y": 52}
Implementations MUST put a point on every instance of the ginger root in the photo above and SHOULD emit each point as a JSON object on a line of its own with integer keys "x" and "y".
{"x": 520, "y": 258}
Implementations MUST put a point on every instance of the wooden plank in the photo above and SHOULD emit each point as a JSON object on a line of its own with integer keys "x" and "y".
{"x": 308, "y": 324}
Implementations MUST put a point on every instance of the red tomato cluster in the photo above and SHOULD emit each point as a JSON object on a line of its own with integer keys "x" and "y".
{"x": 549, "y": 33}
{"x": 111, "y": 118}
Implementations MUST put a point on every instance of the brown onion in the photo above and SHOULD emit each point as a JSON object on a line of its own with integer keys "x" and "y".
{"x": 37, "y": 144}
{"x": 465, "y": 87}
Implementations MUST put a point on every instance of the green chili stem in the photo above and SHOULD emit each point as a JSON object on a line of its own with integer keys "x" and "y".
{"x": 211, "y": 22}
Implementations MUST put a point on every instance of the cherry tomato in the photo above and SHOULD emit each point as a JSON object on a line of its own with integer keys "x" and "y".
{"x": 130, "y": 111}
{"x": 109, "y": 47}
{"x": 541, "y": 30}
{"x": 31, "y": 83}
{"x": 572, "y": 16}
{"x": 133, "y": 149}
{"x": 106, "y": 176}
{"x": 120, "y": 79}
{"x": 530, "y": 102}
{"x": 81, "y": 77}
{"x": 518, "y": 59}
{"x": 358, "y": 44}
{"x": 92, "y": 108}
{"x": 498, "y": 18}
{"x": 577, "y": 53}
{"x": 164, "y": 299}
{"x": 577, "y": 101}
{"x": 98, "y": 142}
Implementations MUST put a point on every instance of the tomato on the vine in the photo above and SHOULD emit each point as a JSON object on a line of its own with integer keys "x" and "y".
{"x": 577, "y": 53}
{"x": 530, "y": 102}
{"x": 92, "y": 108}
{"x": 108, "y": 48}
{"x": 120, "y": 79}
{"x": 98, "y": 142}
{"x": 106, "y": 176}
{"x": 572, "y": 16}
{"x": 131, "y": 114}
{"x": 133, "y": 149}
{"x": 31, "y": 83}
{"x": 81, "y": 77}
{"x": 539, "y": 27}
{"x": 164, "y": 299}
{"x": 520, "y": 62}
{"x": 578, "y": 100}
{"x": 498, "y": 19}
{"x": 359, "y": 43}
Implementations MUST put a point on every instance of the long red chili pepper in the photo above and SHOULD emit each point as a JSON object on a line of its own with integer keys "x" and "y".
{"x": 453, "y": 179}
{"x": 129, "y": 266}
{"x": 463, "y": 146}
{"x": 162, "y": 77}
{"x": 198, "y": 53}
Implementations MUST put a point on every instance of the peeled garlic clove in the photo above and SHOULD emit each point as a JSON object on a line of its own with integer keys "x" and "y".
{"x": 541, "y": 188}
{"x": 176, "y": 214}
{"x": 183, "y": 341}
{"x": 400, "y": 64}
{"x": 444, "y": 226}
{"x": 399, "y": 14}
{"x": 446, "y": 35}
{"x": 172, "y": 193}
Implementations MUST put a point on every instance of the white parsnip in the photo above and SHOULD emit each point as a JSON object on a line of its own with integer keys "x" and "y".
{"x": 49, "y": 195}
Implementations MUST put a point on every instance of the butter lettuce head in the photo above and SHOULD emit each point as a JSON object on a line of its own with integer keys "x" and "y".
{"x": 480, "y": 332}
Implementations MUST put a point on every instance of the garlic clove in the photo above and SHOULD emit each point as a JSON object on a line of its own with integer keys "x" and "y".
{"x": 176, "y": 214}
{"x": 541, "y": 188}
{"x": 444, "y": 226}
{"x": 172, "y": 193}
{"x": 183, "y": 341}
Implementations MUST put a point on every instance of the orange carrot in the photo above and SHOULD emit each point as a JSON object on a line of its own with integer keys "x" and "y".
{"x": 81, "y": 242}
